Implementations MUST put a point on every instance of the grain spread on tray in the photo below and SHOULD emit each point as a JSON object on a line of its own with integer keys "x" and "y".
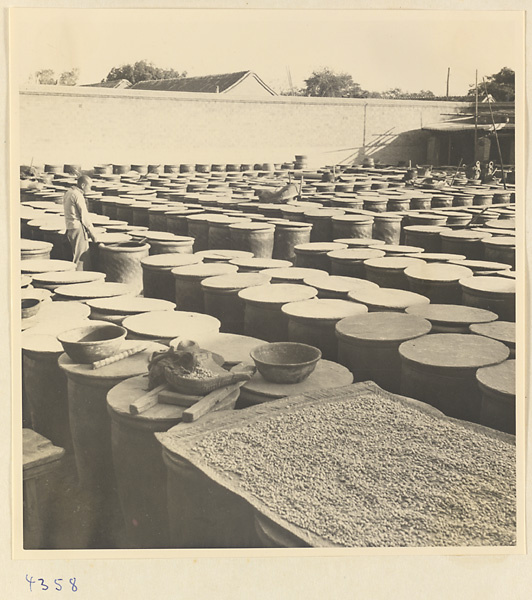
{"x": 374, "y": 472}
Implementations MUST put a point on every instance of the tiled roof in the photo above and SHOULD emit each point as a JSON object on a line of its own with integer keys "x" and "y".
{"x": 208, "y": 83}
{"x": 116, "y": 84}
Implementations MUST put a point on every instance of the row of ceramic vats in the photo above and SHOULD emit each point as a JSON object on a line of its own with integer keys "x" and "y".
{"x": 367, "y": 304}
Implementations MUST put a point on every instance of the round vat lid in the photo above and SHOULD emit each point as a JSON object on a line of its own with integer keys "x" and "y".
{"x": 290, "y": 274}
{"x": 94, "y": 290}
{"x": 170, "y": 261}
{"x": 124, "y": 305}
{"x": 454, "y": 350}
{"x": 502, "y": 331}
{"x": 46, "y": 265}
{"x": 170, "y": 325}
{"x": 489, "y": 284}
{"x": 441, "y": 272}
{"x": 386, "y": 298}
{"x": 455, "y": 314}
{"x": 499, "y": 378}
{"x": 203, "y": 270}
{"x": 67, "y": 277}
{"x": 277, "y": 293}
{"x": 394, "y": 263}
{"x": 319, "y": 247}
{"x": 383, "y": 326}
{"x": 323, "y": 309}
{"x": 337, "y": 283}
{"x": 235, "y": 281}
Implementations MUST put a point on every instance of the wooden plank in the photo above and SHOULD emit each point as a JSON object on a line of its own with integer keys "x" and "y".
{"x": 167, "y": 396}
{"x": 146, "y": 401}
{"x": 208, "y": 403}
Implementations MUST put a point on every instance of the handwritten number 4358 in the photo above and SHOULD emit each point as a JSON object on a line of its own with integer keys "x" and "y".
{"x": 58, "y": 584}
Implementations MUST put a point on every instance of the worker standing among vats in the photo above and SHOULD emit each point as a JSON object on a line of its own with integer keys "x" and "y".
{"x": 79, "y": 227}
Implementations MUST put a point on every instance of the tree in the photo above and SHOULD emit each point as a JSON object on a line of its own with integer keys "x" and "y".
{"x": 48, "y": 77}
{"x": 45, "y": 77}
{"x": 69, "y": 77}
{"x": 399, "y": 94}
{"x": 327, "y": 83}
{"x": 142, "y": 70}
{"x": 501, "y": 86}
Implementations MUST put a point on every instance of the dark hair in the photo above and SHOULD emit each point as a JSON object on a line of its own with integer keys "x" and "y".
{"x": 83, "y": 179}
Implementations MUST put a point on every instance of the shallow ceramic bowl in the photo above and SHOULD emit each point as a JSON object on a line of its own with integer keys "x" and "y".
{"x": 285, "y": 362}
{"x": 94, "y": 342}
{"x": 30, "y": 307}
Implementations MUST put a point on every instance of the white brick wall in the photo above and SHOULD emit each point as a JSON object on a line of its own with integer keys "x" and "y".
{"x": 97, "y": 125}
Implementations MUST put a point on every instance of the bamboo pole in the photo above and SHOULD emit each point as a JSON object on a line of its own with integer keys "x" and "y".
{"x": 496, "y": 136}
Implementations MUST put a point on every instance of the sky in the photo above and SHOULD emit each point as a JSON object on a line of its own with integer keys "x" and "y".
{"x": 410, "y": 50}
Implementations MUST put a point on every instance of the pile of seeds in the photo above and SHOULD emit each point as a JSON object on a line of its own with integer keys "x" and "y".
{"x": 371, "y": 471}
{"x": 198, "y": 372}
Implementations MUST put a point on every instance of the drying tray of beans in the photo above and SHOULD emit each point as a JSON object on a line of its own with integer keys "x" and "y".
{"x": 360, "y": 467}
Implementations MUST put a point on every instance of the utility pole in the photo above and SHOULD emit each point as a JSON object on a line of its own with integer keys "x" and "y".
{"x": 448, "y": 77}
{"x": 290, "y": 80}
{"x": 475, "y": 147}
